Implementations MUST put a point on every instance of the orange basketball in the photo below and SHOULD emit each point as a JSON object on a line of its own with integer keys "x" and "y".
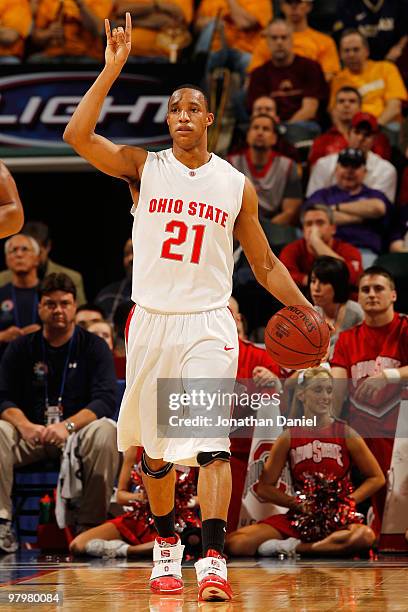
{"x": 297, "y": 337}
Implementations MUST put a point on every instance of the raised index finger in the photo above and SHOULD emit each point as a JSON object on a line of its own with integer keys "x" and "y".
{"x": 128, "y": 27}
{"x": 107, "y": 30}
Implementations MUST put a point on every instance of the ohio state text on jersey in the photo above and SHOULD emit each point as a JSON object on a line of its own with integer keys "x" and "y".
{"x": 183, "y": 234}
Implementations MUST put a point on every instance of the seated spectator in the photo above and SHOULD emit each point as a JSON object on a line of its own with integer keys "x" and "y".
{"x": 240, "y": 28}
{"x": 379, "y": 83}
{"x": 114, "y": 294}
{"x": 275, "y": 535}
{"x": 256, "y": 365}
{"x": 329, "y": 288}
{"x": 380, "y": 175}
{"x": 103, "y": 329}
{"x": 126, "y": 535}
{"x": 18, "y": 298}
{"x": 159, "y": 29}
{"x": 130, "y": 535}
{"x": 318, "y": 240}
{"x": 374, "y": 357}
{"x": 399, "y": 230}
{"x": 87, "y": 314}
{"x": 43, "y": 400}
{"x": 382, "y": 23}
{"x": 296, "y": 83}
{"x": 361, "y": 214}
{"x": 11, "y": 209}
{"x": 274, "y": 176}
{"x": 15, "y": 25}
{"x": 41, "y": 234}
{"x": 347, "y": 104}
{"x": 307, "y": 42}
{"x": 265, "y": 106}
{"x": 69, "y": 31}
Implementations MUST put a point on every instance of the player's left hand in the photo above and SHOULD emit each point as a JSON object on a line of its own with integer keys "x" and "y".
{"x": 55, "y": 434}
{"x": 263, "y": 377}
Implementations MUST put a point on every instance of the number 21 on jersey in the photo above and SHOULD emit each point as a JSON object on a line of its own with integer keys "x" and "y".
{"x": 180, "y": 231}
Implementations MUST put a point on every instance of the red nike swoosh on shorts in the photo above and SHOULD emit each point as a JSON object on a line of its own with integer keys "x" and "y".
{"x": 228, "y": 348}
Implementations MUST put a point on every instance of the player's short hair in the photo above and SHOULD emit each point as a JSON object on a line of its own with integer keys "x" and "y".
{"x": 378, "y": 271}
{"x": 334, "y": 272}
{"x": 196, "y": 88}
{"x": 57, "y": 281}
{"x": 351, "y": 31}
{"x": 263, "y": 116}
{"x": 349, "y": 89}
{"x": 327, "y": 210}
{"x": 34, "y": 244}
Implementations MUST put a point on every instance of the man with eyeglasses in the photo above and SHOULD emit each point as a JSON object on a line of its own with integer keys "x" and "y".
{"x": 55, "y": 382}
{"x": 362, "y": 214}
{"x": 18, "y": 299}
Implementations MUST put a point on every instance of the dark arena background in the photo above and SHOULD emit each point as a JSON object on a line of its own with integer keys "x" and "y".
{"x": 310, "y": 103}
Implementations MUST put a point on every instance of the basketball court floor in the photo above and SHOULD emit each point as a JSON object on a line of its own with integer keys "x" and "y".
{"x": 301, "y": 585}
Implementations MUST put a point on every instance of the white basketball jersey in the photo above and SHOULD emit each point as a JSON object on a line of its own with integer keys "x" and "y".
{"x": 183, "y": 234}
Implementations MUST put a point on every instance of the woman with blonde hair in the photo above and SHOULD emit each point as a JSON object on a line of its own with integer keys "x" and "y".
{"x": 328, "y": 449}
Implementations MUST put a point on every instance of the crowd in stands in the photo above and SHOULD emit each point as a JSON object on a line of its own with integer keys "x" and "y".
{"x": 320, "y": 133}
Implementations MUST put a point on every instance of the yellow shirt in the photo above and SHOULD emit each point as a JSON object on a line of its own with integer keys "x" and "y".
{"x": 78, "y": 40}
{"x": 378, "y": 83}
{"x": 244, "y": 40}
{"x": 15, "y": 14}
{"x": 144, "y": 40}
{"x": 311, "y": 44}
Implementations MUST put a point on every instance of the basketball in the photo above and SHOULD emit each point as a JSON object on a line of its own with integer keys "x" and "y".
{"x": 297, "y": 337}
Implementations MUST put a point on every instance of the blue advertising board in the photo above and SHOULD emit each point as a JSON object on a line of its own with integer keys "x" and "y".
{"x": 37, "y": 102}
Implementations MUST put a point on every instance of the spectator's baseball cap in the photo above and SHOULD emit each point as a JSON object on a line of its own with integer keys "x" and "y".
{"x": 365, "y": 121}
{"x": 353, "y": 158}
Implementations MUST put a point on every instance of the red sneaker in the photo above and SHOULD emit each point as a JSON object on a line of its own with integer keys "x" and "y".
{"x": 212, "y": 578}
{"x": 166, "y": 574}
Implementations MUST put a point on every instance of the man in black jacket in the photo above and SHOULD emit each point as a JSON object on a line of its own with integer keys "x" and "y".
{"x": 55, "y": 382}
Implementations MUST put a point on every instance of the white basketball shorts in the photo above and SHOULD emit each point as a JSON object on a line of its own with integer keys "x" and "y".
{"x": 173, "y": 346}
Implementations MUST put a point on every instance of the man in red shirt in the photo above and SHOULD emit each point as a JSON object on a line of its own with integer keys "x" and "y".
{"x": 318, "y": 230}
{"x": 347, "y": 105}
{"x": 296, "y": 83}
{"x": 373, "y": 355}
{"x": 253, "y": 363}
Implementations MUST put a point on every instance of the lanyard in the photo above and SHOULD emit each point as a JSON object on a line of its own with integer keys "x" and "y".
{"x": 16, "y": 314}
{"x": 64, "y": 373}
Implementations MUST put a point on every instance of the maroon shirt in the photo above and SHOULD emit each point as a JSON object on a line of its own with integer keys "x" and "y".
{"x": 299, "y": 261}
{"x": 288, "y": 85}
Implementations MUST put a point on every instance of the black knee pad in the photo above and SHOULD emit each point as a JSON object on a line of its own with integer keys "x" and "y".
{"x": 155, "y": 473}
{"x": 204, "y": 459}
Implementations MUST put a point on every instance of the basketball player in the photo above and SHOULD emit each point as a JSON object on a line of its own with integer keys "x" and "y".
{"x": 190, "y": 204}
{"x": 11, "y": 209}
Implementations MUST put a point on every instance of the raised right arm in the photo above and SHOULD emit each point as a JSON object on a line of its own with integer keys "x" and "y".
{"x": 122, "y": 161}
